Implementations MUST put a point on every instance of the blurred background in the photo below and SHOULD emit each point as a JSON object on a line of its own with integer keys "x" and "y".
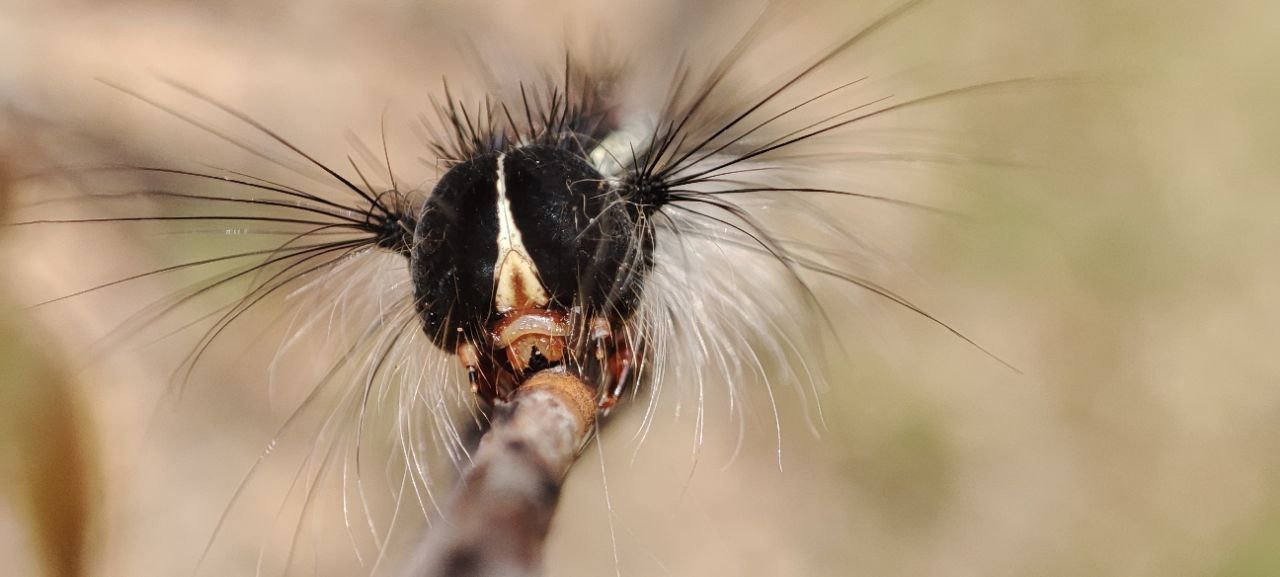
{"x": 1117, "y": 249}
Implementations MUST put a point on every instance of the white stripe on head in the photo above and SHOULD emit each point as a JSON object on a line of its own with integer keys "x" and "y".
{"x": 515, "y": 274}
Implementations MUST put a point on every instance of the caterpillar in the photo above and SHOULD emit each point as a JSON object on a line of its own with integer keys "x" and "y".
{"x": 665, "y": 229}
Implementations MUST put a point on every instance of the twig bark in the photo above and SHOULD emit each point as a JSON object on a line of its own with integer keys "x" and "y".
{"x": 499, "y": 517}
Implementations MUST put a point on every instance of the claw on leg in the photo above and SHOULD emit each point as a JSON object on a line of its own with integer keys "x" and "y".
{"x": 621, "y": 364}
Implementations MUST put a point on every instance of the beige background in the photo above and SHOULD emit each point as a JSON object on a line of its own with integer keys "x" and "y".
{"x": 1122, "y": 258}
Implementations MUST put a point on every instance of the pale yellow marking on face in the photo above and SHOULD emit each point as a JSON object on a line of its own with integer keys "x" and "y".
{"x": 515, "y": 275}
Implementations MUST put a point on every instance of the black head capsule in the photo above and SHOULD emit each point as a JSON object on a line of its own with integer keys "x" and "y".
{"x": 528, "y": 259}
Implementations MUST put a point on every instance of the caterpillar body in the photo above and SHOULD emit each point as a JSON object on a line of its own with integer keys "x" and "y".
{"x": 669, "y": 245}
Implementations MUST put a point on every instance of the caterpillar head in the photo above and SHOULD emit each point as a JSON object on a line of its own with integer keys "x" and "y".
{"x": 527, "y": 259}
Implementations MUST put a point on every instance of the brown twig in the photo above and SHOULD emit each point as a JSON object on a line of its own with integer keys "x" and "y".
{"x": 499, "y": 517}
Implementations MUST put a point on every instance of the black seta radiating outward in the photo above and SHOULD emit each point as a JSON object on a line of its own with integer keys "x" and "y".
{"x": 572, "y": 227}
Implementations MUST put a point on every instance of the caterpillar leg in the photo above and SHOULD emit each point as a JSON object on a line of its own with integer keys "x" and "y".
{"x": 618, "y": 358}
